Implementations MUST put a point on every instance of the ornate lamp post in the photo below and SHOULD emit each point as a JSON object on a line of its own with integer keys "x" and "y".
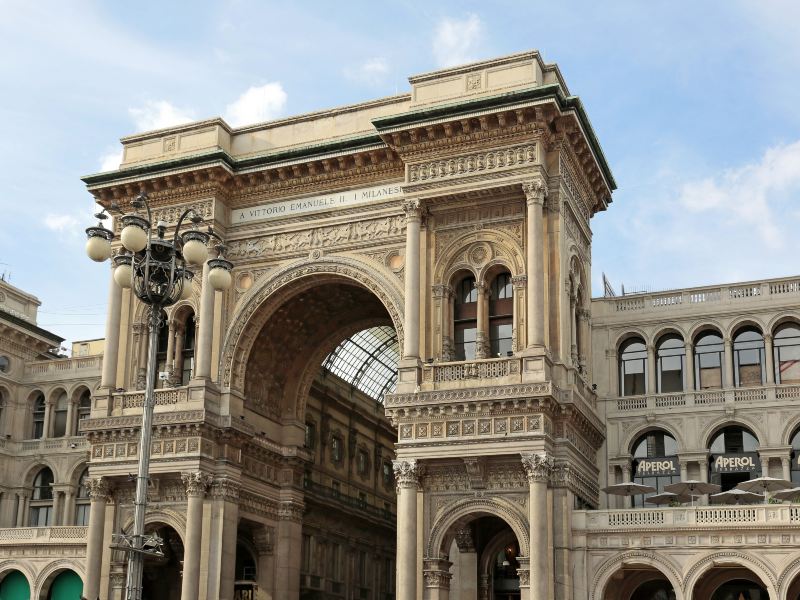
{"x": 156, "y": 269}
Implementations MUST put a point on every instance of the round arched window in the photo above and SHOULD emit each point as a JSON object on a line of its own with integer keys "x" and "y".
{"x": 709, "y": 352}
{"x": 748, "y": 357}
{"x": 670, "y": 353}
{"x": 655, "y": 461}
{"x": 733, "y": 457}
{"x": 5, "y": 364}
{"x": 633, "y": 367}
{"x": 787, "y": 353}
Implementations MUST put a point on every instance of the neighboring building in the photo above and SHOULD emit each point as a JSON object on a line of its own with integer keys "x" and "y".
{"x": 408, "y": 392}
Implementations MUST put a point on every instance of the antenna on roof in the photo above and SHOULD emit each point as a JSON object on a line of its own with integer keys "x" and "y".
{"x": 608, "y": 290}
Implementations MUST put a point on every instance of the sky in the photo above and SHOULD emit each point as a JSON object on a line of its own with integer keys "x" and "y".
{"x": 695, "y": 103}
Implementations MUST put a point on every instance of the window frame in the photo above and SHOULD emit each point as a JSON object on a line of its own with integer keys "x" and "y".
{"x": 638, "y": 356}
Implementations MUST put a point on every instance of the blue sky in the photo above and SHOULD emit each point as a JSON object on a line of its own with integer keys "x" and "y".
{"x": 695, "y": 104}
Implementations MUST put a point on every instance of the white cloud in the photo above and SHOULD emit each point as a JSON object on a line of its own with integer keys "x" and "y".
{"x": 457, "y": 41}
{"x": 158, "y": 114}
{"x": 60, "y": 223}
{"x": 111, "y": 160}
{"x": 371, "y": 72}
{"x": 256, "y": 105}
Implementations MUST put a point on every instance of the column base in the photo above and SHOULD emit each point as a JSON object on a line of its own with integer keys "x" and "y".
{"x": 537, "y": 364}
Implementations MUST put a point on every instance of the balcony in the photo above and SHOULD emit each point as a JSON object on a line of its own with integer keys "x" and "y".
{"x": 45, "y": 446}
{"x": 330, "y": 496}
{"x": 85, "y": 367}
{"x": 62, "y": 536}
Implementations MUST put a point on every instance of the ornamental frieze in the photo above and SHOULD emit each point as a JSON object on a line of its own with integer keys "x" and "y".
{"x": 473, "y": 164}
{"x": 471, "y": 428}
{"x": 444, "y": 239}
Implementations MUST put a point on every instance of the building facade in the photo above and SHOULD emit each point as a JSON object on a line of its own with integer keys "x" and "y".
{"x": 408, "y": 392}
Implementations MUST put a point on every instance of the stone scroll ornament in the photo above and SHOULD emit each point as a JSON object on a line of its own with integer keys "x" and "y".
{"x": 538, "y": 467}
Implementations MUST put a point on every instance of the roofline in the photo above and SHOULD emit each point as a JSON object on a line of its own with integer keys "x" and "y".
{"x": 711, "y": 286}
{"x": 31, "y": 327}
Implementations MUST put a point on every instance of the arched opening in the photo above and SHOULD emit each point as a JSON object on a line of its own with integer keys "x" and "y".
{"x": 709, "y": 354}
{"x": 793, "y": 592}
{"x": 787, "y": 353}
{"x": 730, "y": 583}
{"x": 246, "y": 573}
{"x": 733, "y": 457}
{"x": 748, "y": 357}
{"x": 670, "y": 356}
{"x": 82, "y": 500}
{"x": 639, "y": 582}
{"x": 39, "y": 408}
{"x": 465, "y": 319}
{"x": 67, "y": 585}
{"x": 14, "y": 586}
{"x": 162, "y": 574}
{"x": 795, "y": 457}
{"x": 84, "y": 409}
{"x": 655, "y": 462}
{"x": 41, "y": 508}
{"x": 633, "y": 367}
{"x": 60, "y": 411}
{"x": 501, "y": 315}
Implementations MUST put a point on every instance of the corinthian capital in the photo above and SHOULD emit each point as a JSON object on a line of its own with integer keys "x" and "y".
{"x": 413, "y": 208}
{"x": 407, "y": 472}
{"x": 196, "y": 483}
{"x": 537, "y": 466}
{"x": 99, "y": 488}
{"x": 535, "y": 191}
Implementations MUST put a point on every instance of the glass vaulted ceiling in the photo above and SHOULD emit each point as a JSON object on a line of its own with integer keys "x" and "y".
{"x": 367, "y": 360}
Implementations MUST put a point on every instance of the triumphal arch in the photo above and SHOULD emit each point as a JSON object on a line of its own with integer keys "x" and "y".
{"x": 453, "y": 221}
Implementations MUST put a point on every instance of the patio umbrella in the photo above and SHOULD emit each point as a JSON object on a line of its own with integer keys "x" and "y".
{"x": 667, "y": 498}
{"x": 790, "y": 494}
{"x": 736, "y": 497}
{"x": 628, "y": 488}
{"x": 764, "y": 485}
{"x": 692, "y": 487}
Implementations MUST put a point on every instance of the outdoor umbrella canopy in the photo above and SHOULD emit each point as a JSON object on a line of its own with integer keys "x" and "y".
{"x": 790, "y": 494}
{"x": 736, "y": 497}
{"x": 765, "y": 484}
{"x": 692, "y": 487}
{"x": 628, "y": 488}
{"x": 667, "y": 498}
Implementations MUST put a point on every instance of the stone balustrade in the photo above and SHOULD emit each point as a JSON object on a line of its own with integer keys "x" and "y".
{"x": 63, "y": 535}
{"x": 63, "y": 368}
{"x": 44, "y": 445}
{"x": 453, "y": 375}
{"x": 132, "y": 402}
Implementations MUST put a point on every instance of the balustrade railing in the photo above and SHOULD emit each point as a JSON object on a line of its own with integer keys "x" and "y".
{"x": 720, "y": 516}
{"x": 492, "y": 368}
{"x": 707, "y": 398}
{"x": 163, "y": 397}
{"x": 63, "y": 367}
{"x": 63, "y": 534}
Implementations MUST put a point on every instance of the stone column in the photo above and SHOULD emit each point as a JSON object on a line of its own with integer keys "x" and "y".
{"x": 467, "y": 564}
{"x": 728, "y": 357}
{"x": 108, "y": 379}
{"x": 58, "y": 508}
{"x": 68, "y": 515}
{"x": 70, "y": 430}
{"x": 99, "y": 492}
{"x": 437, "y": 579}
{"x": 584, "y": 343}
{"x": 196, "y": 485}
{"x": 482, "y": 343}
{"x": 520, "y": 283}
{"x": 177, "y": 367}
{"x": 264, "y": 539}
{"x": 407, "y": 474}
{"x": 290, "y": 555}
{"x": 684, "y": 470}
{"x": 205, "y": 330}
{"x": 688, "y": 367}
{"x": 144, "y": 343}
{"x": 170, "y": 348}
{"x": 573, "y": 330}
{"x": 786, "y": 465}
{"x": 652, "y": 383}
{"x": 538, "y": 468}
{"x": 483, "y": 587}
{"x": 47, "y": 428}
{"x": 627, "y": 501}
{"x": 22, "y": 506}
{"x": 413, "y": 210}
{"x": 535, "y": 193}
{"x": 770, "y": 359}
{"x": 224, "y": 525}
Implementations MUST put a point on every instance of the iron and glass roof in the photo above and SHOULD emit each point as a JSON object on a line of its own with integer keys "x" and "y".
{"x": 367, "y": 360}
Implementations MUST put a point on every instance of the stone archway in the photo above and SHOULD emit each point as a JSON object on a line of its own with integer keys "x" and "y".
{"x": 622, "y": 576}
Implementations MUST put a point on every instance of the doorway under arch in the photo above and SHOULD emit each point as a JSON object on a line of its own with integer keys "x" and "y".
{"x": 14, "y": 586}
{"x": 162, "y": 574}
{"x": 639, "y": 582}
{"x": 730, "y": 583}
{"x": 67, "y": 585}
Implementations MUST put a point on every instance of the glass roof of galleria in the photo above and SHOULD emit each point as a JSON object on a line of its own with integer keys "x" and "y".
{"x": 367, "y": 360}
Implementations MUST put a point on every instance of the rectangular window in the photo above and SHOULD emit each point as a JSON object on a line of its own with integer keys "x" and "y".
{"x": 336, "y": 449}
{"x": 40, "y": 516}
{"x": 306, "y": 558}
{"x": 188, "y": 367}
{"x": 634, "y": 381}
{"x": 671, "y": 374}
{"x": 789, "y": 364}
{"x": 500, "y": 335}
{"x": 311, "y": 436}
{"x": 464, "y": 341}
{"x": 82, "y": 514}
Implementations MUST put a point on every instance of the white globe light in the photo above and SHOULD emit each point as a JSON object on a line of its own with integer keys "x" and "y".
{"x": 220, "y": 279}
{"x": 123, "y": 275}
{"x": 186, "y": 291}
{"x": 195, "y": 252}
{"x": 133, "y": 238}
{"x": 98, "y": 248}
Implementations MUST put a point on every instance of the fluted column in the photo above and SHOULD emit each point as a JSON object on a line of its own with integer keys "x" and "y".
{"x": 205, "y": 330}
{"x": 538, "y": 468}
{"x": 728, "y": 356}
{"x": 108, "y": 378}
{"x": 407, "y": 474}
{"x": 413, "y": 210}
{"x": 535, "y": 193}
{"x": 196, "y": 485}
{"x": 770, "y": 359}
{"x": 99, "y": 492}
{"x": 688, "y": 367}
{"x": 652, "y": 384}
{"x": 482, "y": 343}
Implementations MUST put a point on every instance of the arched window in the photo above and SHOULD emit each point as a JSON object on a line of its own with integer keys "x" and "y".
{"x": 465, "y": 319}
{"x": 748, "y": 357}
{"x": 501, "y": 315}
{"x": 60, "y": 415}
{"x": 733, "y": 457}
{"x": 670, "y": 354}
{"x": 709, "y": 352}
{"x": 82, "y": 502}
{"x": 84, "y": 408}
{"x": 796, "y": 458}
{"x": 42, "y": 499}
{"x": 655, "y": 462}
{"x": 787, "y": 353}
{"x": 633, "y": 368}
{"x": 187, "y": 366}
{"x": 39, "y": 409}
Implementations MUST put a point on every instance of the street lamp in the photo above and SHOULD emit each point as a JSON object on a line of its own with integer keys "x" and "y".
{"x": 157, "y": 270}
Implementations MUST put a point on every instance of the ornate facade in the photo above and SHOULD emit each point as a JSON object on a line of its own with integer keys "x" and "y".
{"x": 432, "y": 251}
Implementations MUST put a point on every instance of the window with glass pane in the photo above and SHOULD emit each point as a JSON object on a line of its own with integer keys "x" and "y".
{"x": 501, "y": 310}
{"x": 387, "y": 473}
{"x": 633, "y": 368}
{"x": 38, "y": 416}
{"x": 795, "y": 470}
{"x": 82, "y": 500}
{"x": 654, "y": 445}
{"x": 748, "y": 357}
{"x": 187, "y": 368}
{"x": 465, "y": 316}
{"x": 60, "y": 416}
{"x": 42, "y": 499}
{"x": 733, "y": 440}
{"x": 787, "y": 353}
{"x": 670, "y": 355}
{"x": 311, "y": 435}
{"x": 708, "y": 356}
{"x": 367, "y": 361}
{"x": 336, "y": 449}
{"x": 84, "y": 406}
{"x": 362, "y": 462}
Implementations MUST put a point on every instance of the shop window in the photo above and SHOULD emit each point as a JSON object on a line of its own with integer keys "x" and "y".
{"x": 41, "y": 512}
{"x": 82, "y": 502}
{"x": 709, "y": 352}
{"x": 501, "y": 315}
{"x": 633, "y": 368}
{"x": 670, "y": 354}
{"x": 465, "y": 327}
{"x": 787, "y": 353}
{"x": 733, "y": 457}
{"x": 655, "y": 462}
{"x": 39, "y": 409}
{"x": 748, "y": 357}
{"x": 60, "y": 416}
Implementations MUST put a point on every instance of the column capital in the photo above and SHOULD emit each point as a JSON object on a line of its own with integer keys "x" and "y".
{"x": 537, "y": 466}
{"x": 440, "y": 290}
{"x": 407, "y": 472}
{"x": 99, "y": 488}
{"x": 583, "y": 314}
{"x": 225, "y": 489}
{"x": 464, "y": 540}
{"x": 414, "y": 209}
{"x": 767, "y": 338}
{"x": 437, "y": 573}
{"x": 196, "y": 483}
{"x": 291, "y": 510}
{"x": 519, "y": 281}
{"x": 535, "y": 191}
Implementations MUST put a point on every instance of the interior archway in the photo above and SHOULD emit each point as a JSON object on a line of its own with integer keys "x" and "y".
{"x": 162, "y": 574}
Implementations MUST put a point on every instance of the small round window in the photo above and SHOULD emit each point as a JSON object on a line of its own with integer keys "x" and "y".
{"x": 4, "y": 364}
